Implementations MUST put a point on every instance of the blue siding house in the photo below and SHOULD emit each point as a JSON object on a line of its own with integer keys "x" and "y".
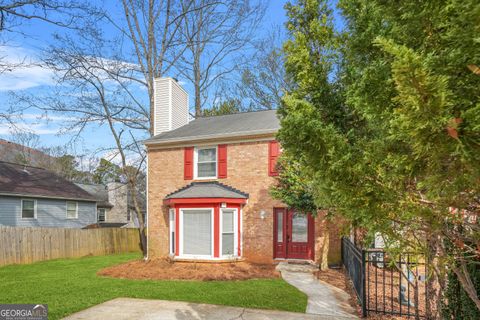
{"x": 36, "y": 197}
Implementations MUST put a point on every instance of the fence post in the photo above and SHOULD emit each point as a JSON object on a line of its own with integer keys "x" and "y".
{"x": 364, "y": 284}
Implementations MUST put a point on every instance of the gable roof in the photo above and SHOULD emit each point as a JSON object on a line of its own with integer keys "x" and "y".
{"x": 212, "y": 189}
{"x": 20, "y": 180}
{"x": 14, "y": 152}
{"x": 231, "y": 125}
{"x": 99, "y": 192}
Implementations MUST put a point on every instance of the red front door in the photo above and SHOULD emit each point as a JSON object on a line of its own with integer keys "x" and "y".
{"x": 293, "y": 234}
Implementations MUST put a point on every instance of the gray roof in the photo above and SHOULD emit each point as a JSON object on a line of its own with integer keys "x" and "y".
{"x": 212, "y": 189}
{"x": 232, "y": 125}
{"x": 20, "y": 180}
{"x": 99, "y": 192}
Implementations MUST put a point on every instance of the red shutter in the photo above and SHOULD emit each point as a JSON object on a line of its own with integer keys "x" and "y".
{"x": 273, "y": 153}
{"x": 222, "y": 161}
{"x": 188, "y": 163}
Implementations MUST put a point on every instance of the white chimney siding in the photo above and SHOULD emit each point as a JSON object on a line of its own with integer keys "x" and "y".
{"x": 171, "y": 105}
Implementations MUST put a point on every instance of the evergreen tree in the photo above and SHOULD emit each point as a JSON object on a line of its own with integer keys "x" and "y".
{"x": 386, "y": 115}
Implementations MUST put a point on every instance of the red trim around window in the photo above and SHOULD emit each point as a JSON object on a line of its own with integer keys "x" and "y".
{"x": 203, "y": 201}
{"x": 216, "y": 205}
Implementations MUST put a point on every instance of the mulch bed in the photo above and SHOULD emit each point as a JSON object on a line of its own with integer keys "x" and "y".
{"x": 166, "y": 269}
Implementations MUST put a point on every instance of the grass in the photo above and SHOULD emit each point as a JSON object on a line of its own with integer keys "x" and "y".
{"x": 71, "y": 285}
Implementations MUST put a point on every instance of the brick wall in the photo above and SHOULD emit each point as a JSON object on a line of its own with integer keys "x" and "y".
{"x": 247, "y": 171}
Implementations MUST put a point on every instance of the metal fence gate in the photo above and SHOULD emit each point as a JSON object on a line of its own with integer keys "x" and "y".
{"x": 384, "y": 286}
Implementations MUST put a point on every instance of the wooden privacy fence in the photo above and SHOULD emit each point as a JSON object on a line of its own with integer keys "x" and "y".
{"x": 27, "y": 245}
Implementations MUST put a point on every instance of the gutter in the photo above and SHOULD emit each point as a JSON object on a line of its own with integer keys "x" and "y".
{"x": 26, "y": 195}
{"x": 238, "y": 135}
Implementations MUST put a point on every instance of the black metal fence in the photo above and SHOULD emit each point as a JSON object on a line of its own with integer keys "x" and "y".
{"x": 384, "y": 286}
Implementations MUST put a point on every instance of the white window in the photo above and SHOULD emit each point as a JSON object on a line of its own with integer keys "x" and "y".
{"x": 172, "y": 230}
{"x": 29, "y": 209}
{"x": 205, "y": 162}
{"x": 196, "y": 233}
{"x": 101, "y": 214}
{"x": 229, "y": 234}
{"x": 72, "y": 210}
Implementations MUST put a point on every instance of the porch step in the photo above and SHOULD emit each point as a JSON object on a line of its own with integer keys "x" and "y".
{"x": 296, "y": 267}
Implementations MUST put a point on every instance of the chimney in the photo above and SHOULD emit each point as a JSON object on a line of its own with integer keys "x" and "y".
{"x": 170, "y": 105}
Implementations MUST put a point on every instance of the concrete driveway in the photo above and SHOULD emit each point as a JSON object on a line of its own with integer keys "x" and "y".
{"x": 141, "y": 309}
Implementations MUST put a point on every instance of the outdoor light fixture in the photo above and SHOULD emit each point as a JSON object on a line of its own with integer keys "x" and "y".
{"x": 262, "y": 214}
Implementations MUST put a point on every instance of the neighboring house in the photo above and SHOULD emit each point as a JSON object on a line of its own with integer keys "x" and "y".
{"x": 114, "y": 204}
{"x": 208, "y": 188}
{"x": 36, "y": 197}
{"x": 17, "y": 153}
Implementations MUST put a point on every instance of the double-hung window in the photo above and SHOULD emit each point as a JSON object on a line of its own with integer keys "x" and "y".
{"x": 229, "y": 236}
{"x": 206, "y": 162}
{"x": 196, "y": 238}
{"x": 101, "y": 214}
{"x": 72, "y": 210}
{"x": 29, "y": 208}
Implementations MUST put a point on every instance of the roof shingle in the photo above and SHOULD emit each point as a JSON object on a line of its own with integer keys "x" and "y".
{"x": 32, "y": 181}
{"x": 212, "y": 189}
{"x": 238, "y": 124}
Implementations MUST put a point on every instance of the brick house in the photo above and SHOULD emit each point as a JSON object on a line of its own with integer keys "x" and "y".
{"x": 208, "y": 186}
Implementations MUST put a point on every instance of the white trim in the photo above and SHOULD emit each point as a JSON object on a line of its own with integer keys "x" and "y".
{"x": 171, "y": 229}
{"x": 105, "y": 214}
{"x": 216, "y": 138}
{"x": 180, "y": 247}
{"x": 76, "y": 210}
{"x": 154, "y": 131}
{"x": 146, "y": 213}
{"x": 235, "y": 233}
{"x": 241, "y": 230}
{"x": 170, "y": 105}
{"x": 34, "y": 209}
{"x": 195, "y": 162}
{"x": 26, "y": 195}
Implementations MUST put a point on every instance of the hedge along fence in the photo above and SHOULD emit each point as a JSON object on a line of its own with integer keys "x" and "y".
{"x": 27, "y": 245}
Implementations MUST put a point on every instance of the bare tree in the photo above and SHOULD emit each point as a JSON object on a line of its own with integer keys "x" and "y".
{"x": 264, "y": 79}
{"x": 152, "y": 28}
{"x": 96, "y": 90}
{"x": 218, "y": 36}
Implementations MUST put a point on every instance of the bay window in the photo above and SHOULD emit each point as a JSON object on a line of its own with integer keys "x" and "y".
{"x": 196, "y": 232}
{"x": 229, "y": 235}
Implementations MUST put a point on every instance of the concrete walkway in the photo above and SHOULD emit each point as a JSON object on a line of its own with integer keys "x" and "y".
{"x": 141, "y": 309}
{"x": 323, "y": 298}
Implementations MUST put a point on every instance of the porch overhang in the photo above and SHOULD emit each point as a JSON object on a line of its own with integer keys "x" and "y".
{"x": 173, "y": 201}
{"x": 211, "y": 192}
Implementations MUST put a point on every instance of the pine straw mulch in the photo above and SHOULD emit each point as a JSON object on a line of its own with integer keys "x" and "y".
{"x": 338, "y": 278}
{"x": 166, "y": 269}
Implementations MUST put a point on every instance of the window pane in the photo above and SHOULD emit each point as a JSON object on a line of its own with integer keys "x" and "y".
{"x": 207, "y": 170}
{"x": 101, "y": 215}
{"x": 299, "y": 228}
{"x": 227, "y": 221}
{"x": 197, "y": 232}
{"x": 71, "y": 206}
{"x": 280, "y": 226}
{"x": 207, "y": 155}
{"x": 28, "y": 209}
{"x": 71, "y": 209}
{"x": 227, "y": 244}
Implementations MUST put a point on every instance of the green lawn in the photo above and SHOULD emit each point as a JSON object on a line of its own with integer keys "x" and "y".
{"x": 70, "y": 285}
